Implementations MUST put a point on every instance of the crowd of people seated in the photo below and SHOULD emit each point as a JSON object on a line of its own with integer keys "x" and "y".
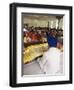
{"x": 38, "y": 34}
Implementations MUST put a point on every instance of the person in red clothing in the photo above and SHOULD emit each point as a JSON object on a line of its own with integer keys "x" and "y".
{"x": 34, "y": 37}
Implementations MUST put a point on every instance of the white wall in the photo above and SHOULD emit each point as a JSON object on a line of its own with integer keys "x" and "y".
{"x": 4, "y": 43}
{"x": 41, "y": 21}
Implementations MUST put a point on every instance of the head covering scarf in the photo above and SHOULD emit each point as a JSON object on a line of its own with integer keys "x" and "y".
{"x": 52, "y": 41}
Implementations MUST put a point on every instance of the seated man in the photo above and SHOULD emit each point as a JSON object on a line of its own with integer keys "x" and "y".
{"x": 50, "y": 62}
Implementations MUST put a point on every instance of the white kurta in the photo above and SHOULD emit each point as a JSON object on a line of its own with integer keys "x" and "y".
{"x": 50, "y": 62}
